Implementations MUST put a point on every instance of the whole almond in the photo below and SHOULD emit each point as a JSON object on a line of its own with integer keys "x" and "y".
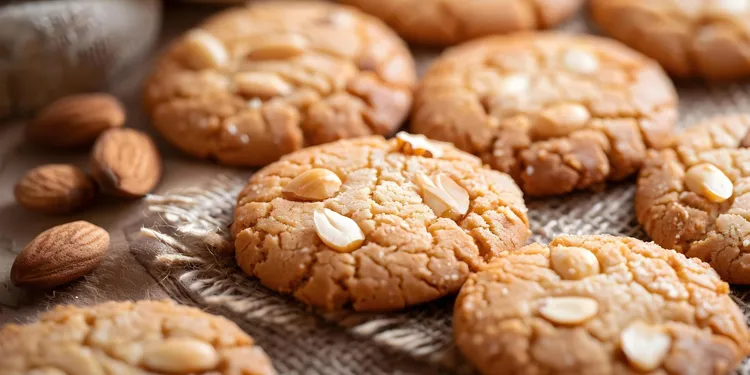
{"x": 55, "y": 189}
{"x": 76, "y": 120}
{"x": 125, "y": 162}
{"x": 60, "y": 255}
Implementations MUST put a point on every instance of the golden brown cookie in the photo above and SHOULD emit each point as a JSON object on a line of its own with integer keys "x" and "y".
{"x": 557, "y": 112}
{"x": 599, "y": 305}
{"x": 370, "y": 223}
{"x": 708, "y": 38}
{"x": 146, "y": 337}
{"x": 444, "y": 22}
{"x": 696, "y": 199}
{"x": 252, "y": 84}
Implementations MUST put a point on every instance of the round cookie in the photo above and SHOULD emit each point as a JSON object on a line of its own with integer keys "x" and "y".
{"x": 375, "y": 224}
{"x": 445, "y": 22}
{"x": 557, "y": 112}
{"x": 154, "y": 337}
{"x": 707, "y": 38}
{"x": 254, "y": 83}
{"x": 599, "y": 305}
{"x": 695, "y": 199}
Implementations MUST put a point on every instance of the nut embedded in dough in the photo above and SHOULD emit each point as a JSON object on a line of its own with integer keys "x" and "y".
{"x": 645, "y": 345}
{"x": 573, "y": 263}
{"x": 316, "y": 184}
{"x": 416, "y": 144}
{"x": 180, "y": 355}
{"x": 560, "y": 120}
{"x": 710, "y": 182}
{"x": 486, "y": 82}
{"x": 445, "y": 197}
{"x": 580, "y": 61}
{"x": 279, "y": 48}
{"x": 261, "y": 85}
{"x": 337, "y": 231}
{"x": 204, "y": 51}
{"x": 569, "y": 310}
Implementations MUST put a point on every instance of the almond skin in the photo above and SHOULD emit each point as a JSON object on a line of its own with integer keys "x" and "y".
{"x": 126, "y": 163}
{"x": 60, "y": 255}
{"x": 55, "y": 189}
{"x": 76, "y": 120}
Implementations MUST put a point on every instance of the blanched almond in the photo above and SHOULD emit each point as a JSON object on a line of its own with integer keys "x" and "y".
{"x": 560, "y": 120}
{"x": 645, "y": 345}
{"x": 710, "y": 182}
{"x": 417, "y": 144}
{"x": 580, "y": 61}
{"x": 180, "y": 355}
{"x": 444, "y": 196}
{"x": 338, "y": 232}
{"x": 569, "y": 310}
{"x": 573, "y": 263}
{"x": 203, "y": 50}
{"x": 316, "y": 184}
{"x": 279, "y": 47}
{"x": 261, "y": 85}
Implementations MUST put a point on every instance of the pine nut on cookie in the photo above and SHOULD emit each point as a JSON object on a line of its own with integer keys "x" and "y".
{"x": 145, "y": 337}
{"x": 696, "y": 198}
{"x": 445, "y": 22}
{"x": 557, "y": 112}
{"x": 257, "y": 82}
{"x": 375, "y": 224}
{"x": 705, "y": 38}
{"x": 599, "y": 305}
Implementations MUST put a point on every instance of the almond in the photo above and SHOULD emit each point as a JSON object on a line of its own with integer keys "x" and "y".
{"x": 76, "y": 120}
{"x": 337, "y": 231}
{"x": 317, "y": 184}
{"x": 55, "y": 189}
{"x": 60, "y": 255}
{"x": 125, "y": 162}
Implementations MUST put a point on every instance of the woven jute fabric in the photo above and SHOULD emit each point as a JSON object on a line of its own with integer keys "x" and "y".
{"x": 186, "y": 245}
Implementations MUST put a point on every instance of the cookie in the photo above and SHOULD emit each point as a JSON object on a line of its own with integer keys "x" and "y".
{"x": 696, "y": 198}
{"x": 557, "y": 112}
{"x": 599, "y": 305}
{"x": 706, "y": 38}
{"x": 444, "y": 22}
{"x": 375, "y": 224}
{"x": 154, "y": 337}
{"x": 254, "y": 83}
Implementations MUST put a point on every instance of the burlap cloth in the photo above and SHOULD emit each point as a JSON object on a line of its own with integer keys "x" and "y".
{"x": 180, "y": 249}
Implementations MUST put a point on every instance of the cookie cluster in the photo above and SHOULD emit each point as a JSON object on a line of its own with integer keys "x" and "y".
{"x": 348, "y": 212}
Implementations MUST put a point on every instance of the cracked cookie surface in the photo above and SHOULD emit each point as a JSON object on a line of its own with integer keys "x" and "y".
{"x": 444, "y": 22}
{"x": 146, "y": 337}
{"x": 708, "y": 38}
{"x": 254, "y": 83}
{"x": 557, "y": 112}
{"x": 405, "y": 229}
{"x": 690, "y": 219}
{"x": 599, "y": 305}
